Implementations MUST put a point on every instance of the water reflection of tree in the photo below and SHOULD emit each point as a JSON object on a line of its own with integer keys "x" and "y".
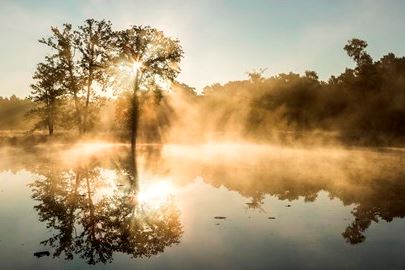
{"x": 376, "y": 193}
{"x": 93, "y": 224}
{"x": 256, "y": 202}
{"x": 382, "y": 200}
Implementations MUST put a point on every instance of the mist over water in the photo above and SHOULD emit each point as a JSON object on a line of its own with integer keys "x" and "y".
{"x": 89, "y": 205}
{"x": 113, "y": 162}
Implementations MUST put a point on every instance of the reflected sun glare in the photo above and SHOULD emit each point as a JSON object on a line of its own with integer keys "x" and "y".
{"x": 155, "y": 194}
{"x": 152, "y": 193}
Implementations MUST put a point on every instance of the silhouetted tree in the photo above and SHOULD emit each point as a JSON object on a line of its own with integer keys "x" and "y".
{"x": 47, "y": 92}
{"x": 363, "y": 105}
{"x": 93, "y": 41}
{"x": 62, "y": 41}
{"x": 355, "y": 48}
{"x": 148, "y": 57}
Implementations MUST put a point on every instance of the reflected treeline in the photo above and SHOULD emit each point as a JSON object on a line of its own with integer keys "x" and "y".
{"x": 93, "y": 206}
{"x": 94, "y": 212}
{"x": 372, "y": 181}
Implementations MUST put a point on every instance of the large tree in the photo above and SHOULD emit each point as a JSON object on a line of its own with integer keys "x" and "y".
{"x": 148, "y": 58}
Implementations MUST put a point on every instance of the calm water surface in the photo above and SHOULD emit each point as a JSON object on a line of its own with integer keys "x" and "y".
{"x": 202, "y": 207}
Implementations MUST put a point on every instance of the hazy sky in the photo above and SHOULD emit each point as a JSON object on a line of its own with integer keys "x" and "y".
{"x": 222, "y": 39}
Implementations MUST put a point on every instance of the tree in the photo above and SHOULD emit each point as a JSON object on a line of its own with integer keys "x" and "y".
{"x": 62, "y": 41}
{"x": 84, "y": 55}
{"x": 148, "y": 57}
{"x": 355, "y": 48}
{"x": 47, "y": 92}
{"x": 312, "y": 75}
{"x": 93, "y": 40}
{"x": 256, "y": 76}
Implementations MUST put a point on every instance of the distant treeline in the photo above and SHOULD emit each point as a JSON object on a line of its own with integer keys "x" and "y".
{"x": 12, "y": 112}
{"x": 363, "y": 105}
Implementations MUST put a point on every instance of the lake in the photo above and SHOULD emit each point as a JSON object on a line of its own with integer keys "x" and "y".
{"x": 210, "y": 206}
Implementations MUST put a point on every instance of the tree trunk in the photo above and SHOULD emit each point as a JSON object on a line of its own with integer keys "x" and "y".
{"x": 89, "y": 84}
{"x": 75, "y": 98}
{"x": 133, "y": 172}
{"x": 134, "y": 115}
{"x": 51, "y": 119}
{"x": 134, "y": 122}
{"x": 86, "y": 108}
{"x": 51, "y": 128}
{"x": 78, "y": 118}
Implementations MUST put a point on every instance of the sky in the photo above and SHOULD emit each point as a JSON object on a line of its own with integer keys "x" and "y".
{"x": 222, "y": 39}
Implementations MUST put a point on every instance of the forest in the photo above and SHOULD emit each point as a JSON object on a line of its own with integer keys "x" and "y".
{"x": 364, "y": 105}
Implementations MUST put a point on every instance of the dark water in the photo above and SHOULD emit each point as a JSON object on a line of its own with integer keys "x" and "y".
{"x": 202, "y": 207}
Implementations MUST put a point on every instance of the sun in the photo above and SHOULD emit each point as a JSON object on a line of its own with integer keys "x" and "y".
{"x": 136, "y": 66}
{"x": 130, "y": 68}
